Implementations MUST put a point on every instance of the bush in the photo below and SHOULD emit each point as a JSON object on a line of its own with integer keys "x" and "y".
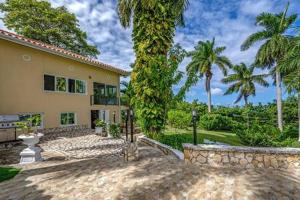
{"x": 115, "y": 130}
{"x": 100, "y": 123}
{"x": 264, "y": 135}
{"x": 175, "y": 140}
{"x": 216, "y": 122}
{"x": 290, "y": 131}
{"x": 179, "y": 119}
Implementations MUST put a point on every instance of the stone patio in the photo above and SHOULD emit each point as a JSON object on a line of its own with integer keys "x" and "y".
{"x": 154, "y": 176}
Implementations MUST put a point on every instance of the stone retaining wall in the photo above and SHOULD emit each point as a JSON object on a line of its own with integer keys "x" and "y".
{"x": 244, "y": 157}
{"x": 68, "y": 131}
{"x": 164, "y": 148}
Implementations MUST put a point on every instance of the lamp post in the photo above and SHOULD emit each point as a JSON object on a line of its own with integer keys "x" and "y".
{"x": 131, "y": 125}
{"x": 126, "y": 123}
{"x": 114, "y": 115}
{"x": 194, "y": 113}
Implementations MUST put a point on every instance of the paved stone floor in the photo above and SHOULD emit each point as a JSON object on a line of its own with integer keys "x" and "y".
{"x": 154, "y": 176}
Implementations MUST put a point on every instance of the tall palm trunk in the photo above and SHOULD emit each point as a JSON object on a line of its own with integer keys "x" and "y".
{"x": 246, "y": 100}
{"x": 208, "y": 90}
{"x": 279, "y": 99}
{"x": 299, "y": 114}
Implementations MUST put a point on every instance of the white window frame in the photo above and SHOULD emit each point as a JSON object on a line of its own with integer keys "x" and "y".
{"x": 67, "y": 85}
{"x": 66, "y": 125}
{"x": 35, "y": 113}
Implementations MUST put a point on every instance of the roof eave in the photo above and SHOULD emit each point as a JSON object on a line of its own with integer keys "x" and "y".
{"x": 24, "y": 43}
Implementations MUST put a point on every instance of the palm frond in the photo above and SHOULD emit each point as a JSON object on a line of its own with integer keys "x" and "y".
{"x": 255, "y": 37}
{"x": 125, "y": 12}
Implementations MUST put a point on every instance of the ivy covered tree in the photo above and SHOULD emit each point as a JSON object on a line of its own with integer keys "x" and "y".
{"x": 154, "y": 23}
{"x": 56, "y": 26}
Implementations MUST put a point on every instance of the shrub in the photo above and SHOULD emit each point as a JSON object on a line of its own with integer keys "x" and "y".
{"x": 175, "y": 140}
{"x": 290, "y": 131}
{"x": 100, "y": 123}
{"x": 179, "y": 119}
{"x": 115, "y": 130}
{"x": 216, "y": 122}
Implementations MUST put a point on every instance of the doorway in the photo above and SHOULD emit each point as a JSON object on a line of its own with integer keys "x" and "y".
{"x": 94, "y": 116}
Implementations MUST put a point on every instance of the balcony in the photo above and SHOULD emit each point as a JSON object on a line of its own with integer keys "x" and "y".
{"x": 99, "y": 100}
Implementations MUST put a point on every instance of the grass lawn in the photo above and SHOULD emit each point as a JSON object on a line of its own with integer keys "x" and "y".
{"x": 8, "y": 173}
{"x": 295, "y": 144}
{"x": 175, "y": 138}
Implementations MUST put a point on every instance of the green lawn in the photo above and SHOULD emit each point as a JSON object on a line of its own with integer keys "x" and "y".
{"x": 175, "y": 137}
{"x": 295, "y": 144}
{"x": 8, "y": 173}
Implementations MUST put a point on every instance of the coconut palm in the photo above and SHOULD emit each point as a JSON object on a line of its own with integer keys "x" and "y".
{"x": 154, "y": 23}
{"x": 243, "y": 82}
{"x": 275, "y": 43}
{"x": 290, "y": 66}
{"x": 204, "y": 57}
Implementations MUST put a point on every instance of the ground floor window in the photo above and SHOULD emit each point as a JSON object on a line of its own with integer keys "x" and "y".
{"x": 68, "y": 118}
{"x": 35, "y": 119}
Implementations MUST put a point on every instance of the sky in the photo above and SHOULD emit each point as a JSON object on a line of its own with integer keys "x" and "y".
{"x": 229, "y": 21}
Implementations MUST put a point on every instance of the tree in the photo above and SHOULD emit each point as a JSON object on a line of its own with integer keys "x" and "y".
{"x": 204, "y": 57}
{"x": 273, "y": 49}
{"x": 56, "y": 26}
{"x": 243, "y": 82}
{"x": 290, "y": 66}
{"x": 154, "y": 23}
{"x": 127, "y": 93}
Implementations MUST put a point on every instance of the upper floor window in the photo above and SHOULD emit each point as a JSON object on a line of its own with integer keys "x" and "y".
{"x": 111, "y": 91}
{"x": 62, "y": 84}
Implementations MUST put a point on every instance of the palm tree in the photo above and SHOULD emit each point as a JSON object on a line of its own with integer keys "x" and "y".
{"x": 154, "y": 23}
{"x": 126, "y": 93}
{"x": 243, "y": 82}
{"x": 273, "y": 49}
{"x": 204, "y": 57}
{"x": 290, "y": 66}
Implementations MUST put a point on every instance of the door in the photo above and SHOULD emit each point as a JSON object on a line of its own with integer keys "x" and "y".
{"x": 94, "y": 116}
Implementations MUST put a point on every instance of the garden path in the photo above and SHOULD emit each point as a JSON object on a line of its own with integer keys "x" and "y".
{"x": 154, "y": 176}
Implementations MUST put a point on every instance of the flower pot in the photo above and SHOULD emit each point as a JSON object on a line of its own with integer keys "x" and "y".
{"x": 98, "y": 130}
{"x": 31, "y": 153}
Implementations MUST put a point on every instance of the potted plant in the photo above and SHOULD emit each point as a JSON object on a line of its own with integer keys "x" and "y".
{"x": 99, "y": 126}
{"x": 30, "y": 138}
{"x": 114, "y": 130}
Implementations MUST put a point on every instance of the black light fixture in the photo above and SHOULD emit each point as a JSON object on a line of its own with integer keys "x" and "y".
{"x": 126, "y": 123}
{"x": 194, "y": 113}
{"x": 131, "y": 125}
{"x": 114, "y": 114}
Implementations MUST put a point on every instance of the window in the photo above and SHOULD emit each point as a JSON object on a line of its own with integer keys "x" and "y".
{"x": 67, "y": 118}
{"x": 37, "y": 120}
{"x": 80, "y": 87}
{"x": 49, "y": 83}
{"x": 61, "y": 84}
{"x": 71, "y": 83}
{"x": 111, "y": 91}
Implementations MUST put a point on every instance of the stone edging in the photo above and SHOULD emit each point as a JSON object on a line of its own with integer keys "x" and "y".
{"x": 225, "y": 148}
{"x": 164, "y": 148}
{"x": 242, "y": 157}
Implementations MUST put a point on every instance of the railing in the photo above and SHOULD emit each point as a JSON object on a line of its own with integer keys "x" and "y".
{"x": 98, "y": 100}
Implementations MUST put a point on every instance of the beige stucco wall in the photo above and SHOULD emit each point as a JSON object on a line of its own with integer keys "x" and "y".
{"x": 21, "y": 85}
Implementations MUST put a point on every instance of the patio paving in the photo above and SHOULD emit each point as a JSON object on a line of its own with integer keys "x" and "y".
{"x": 154, "y": 176}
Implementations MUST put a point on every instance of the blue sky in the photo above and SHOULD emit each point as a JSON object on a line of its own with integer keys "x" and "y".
{"x": 229, "y": 21}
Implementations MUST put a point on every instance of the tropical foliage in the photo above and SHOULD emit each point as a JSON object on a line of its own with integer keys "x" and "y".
{"x": 38, "y": 20}
{"x": 204, "y": 57}
{"x": 272, "y": 51}
{"x": 243, "y": 82}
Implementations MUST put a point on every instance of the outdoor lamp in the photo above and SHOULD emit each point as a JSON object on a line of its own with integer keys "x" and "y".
{"x": 194, "y": 113}
{"x": 131, "y": 124}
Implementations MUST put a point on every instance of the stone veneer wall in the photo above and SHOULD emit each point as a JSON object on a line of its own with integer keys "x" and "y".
{"x": 244, "y": 157}
{"x": 67, "y": 131}
{"x": 167, "y": 150}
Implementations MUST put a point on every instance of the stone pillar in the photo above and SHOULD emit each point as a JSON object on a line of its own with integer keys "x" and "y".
{"x": 131, "y": 152}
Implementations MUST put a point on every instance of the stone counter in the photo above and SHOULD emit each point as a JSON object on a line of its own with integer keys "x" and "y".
{"x": 244, "y": 157}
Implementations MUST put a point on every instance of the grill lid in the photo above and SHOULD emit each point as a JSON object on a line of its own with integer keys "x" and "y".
{"x": 9, "y": 118}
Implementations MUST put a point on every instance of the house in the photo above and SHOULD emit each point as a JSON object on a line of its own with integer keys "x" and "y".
{"x": 61, "y": 88}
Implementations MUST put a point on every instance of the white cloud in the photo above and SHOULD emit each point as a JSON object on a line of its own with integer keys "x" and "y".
{"x": 216, "y": 91}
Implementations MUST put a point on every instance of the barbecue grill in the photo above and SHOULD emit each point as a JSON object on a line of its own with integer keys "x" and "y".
{"x": 8, "y": 127}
